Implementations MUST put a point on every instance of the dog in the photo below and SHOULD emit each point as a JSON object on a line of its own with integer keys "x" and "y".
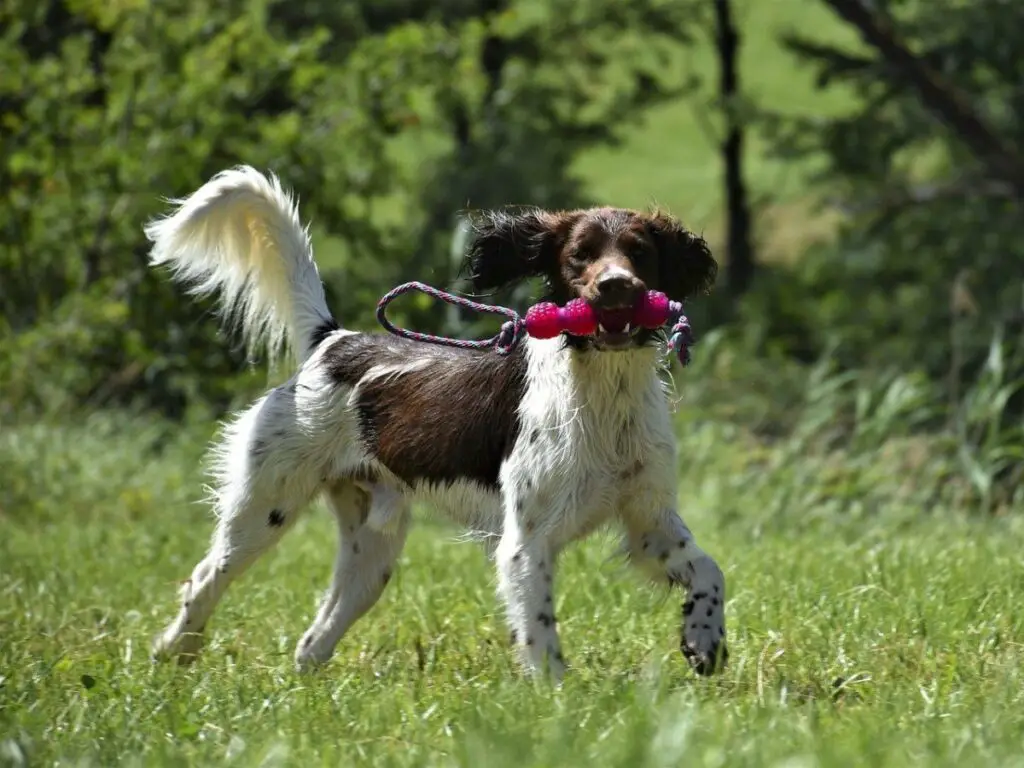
{"x": 531, "y": 450}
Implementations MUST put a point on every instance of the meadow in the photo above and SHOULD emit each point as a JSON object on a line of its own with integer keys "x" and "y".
{"x": 873, "y": 616}
{"x": 874, "y": 568}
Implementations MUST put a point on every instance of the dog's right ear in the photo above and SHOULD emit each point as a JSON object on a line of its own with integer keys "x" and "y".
{"x": 509, "y": 246}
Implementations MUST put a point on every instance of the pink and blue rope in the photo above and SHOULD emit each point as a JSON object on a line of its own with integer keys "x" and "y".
{"x": 680, "y": 337}
{"x": 511, "y": 333}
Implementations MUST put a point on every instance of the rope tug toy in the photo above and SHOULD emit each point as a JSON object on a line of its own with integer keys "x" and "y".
{"x": 547, "y": 320}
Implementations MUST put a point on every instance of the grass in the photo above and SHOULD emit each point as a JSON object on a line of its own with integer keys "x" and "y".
{"x": 872, "y": 619}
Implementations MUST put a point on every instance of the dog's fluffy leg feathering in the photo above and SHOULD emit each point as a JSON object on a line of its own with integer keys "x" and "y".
{"x": 240, "y": 234}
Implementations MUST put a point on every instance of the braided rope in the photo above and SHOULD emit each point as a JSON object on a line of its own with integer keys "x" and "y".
{"x": 503, "y": 342}
{"x": 512, "y": 330}
{"x": 680, "y": 338}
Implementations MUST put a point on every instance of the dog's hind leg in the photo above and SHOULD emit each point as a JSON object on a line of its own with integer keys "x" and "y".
{"x": 265, "y": 479}
{"x": 364, "y": 564}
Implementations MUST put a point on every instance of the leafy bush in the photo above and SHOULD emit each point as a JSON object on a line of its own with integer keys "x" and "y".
{"x": 384, "y": 119}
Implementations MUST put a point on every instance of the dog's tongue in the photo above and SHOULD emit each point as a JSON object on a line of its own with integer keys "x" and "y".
{"x": 615, "y": 320}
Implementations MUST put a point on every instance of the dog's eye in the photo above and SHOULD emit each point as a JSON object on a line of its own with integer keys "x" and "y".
{"x": 639, "y": 253}
{"x": 578, "y": 259}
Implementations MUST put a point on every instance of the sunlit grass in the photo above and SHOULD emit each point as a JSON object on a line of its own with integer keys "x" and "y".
{"x": 871, "y": 620}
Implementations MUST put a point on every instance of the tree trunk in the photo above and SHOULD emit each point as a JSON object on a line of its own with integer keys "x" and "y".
{"x": 740, "y": 267}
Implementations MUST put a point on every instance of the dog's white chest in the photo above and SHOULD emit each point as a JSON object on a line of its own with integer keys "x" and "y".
{"x": 585, "y": 429}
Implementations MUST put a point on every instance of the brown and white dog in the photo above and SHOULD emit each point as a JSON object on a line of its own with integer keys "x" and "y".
{"x": 531, "y": 450}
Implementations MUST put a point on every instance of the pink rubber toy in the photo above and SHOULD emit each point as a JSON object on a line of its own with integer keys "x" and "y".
{"x": 546, "y": 320}
{"x": 653, "y": 311}
{"x": 578, "y": 318}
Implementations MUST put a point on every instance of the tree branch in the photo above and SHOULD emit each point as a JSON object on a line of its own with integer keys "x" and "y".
{"x": 886, "y": 207}
{"x": 940, "y": 97}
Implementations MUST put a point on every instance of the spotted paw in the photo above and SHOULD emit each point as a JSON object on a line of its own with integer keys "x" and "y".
{"x": 703, "y": 636}
{"x": 705, "y": 662}
{"x": 310, "y": 655}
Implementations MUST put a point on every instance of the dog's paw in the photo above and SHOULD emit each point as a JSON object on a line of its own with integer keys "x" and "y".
{"x": 703, "y": 637}
{"x": 183, "y": 647}
{"x": 308, "y": 656}
{"x": 705, "y": 661}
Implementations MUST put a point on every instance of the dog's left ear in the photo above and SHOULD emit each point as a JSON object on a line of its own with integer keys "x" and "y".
{"x": 509, "y": 246}
{"x": 685, "y": 264}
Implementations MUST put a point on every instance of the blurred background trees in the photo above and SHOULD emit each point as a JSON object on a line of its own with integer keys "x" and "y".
{"x": 858, "y": 167}
{"x": 386, "y": 117}
{"x": 928, "y": 173}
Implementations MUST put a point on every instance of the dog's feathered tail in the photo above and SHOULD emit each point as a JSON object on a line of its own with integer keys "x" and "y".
{"x": 240, "y": 234}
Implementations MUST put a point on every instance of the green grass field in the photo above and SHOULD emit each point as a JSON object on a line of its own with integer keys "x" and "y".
{"x": 873, "y": 621}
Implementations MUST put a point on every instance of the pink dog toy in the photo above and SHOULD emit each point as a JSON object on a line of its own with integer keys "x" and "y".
{"x": 577, "y": 318}
{"x": 547, "y": 320}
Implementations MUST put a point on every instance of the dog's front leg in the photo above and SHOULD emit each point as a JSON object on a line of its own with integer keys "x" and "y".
{"x": 661, "y": 544}
{"x": 526, "y": 567}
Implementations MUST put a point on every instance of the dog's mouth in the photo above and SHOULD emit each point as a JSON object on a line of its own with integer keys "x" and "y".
{"x": 615, "y": 329}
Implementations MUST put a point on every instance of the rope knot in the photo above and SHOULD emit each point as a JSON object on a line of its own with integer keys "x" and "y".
{"x": 509, "y": 336}
{"x": 680, "y": 339}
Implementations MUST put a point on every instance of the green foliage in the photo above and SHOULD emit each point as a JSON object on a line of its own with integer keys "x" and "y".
{"x": 359, "y": 107}
{"x": 927, "y": 266}
{"x": 106, "y": 108}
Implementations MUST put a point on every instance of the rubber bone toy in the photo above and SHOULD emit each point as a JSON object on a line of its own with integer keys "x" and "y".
{"x": 577, "y": 318}
{"x": 547, "y": 320}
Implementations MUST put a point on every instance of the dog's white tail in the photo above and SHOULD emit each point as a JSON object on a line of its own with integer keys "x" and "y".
{"x": 240, "y": 234}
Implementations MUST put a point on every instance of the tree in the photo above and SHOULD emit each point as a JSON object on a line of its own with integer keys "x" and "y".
{"x": 927, "y": 169}
{"x": 938, "y": 95}
{"x": 740, "y": 267}
{"x": 387, "y": 118}
{"x": 108, "y": 108}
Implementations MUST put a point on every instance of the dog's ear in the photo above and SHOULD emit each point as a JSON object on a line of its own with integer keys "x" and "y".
{"x": 685, "y": 264}
{"x": 509, "y": 246}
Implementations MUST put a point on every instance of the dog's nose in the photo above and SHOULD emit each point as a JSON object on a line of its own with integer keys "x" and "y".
{"x": 618, "y": 287}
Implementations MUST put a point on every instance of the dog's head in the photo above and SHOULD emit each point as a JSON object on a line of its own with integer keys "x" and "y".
{"x": 607, "y": 256}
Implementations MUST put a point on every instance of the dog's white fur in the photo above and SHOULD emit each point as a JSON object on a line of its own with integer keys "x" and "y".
{"x": 604, "y": 449}
{"x": 240, "y": 234}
